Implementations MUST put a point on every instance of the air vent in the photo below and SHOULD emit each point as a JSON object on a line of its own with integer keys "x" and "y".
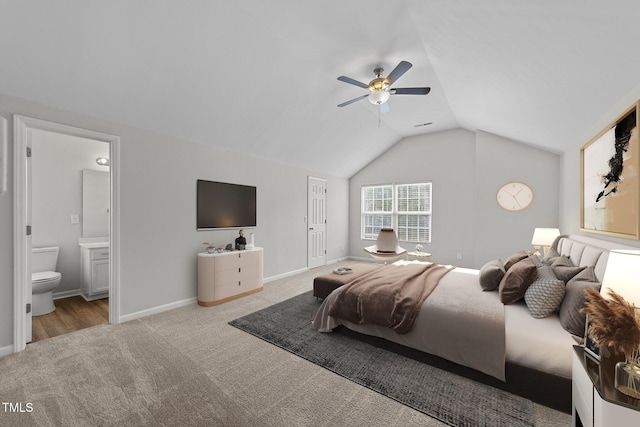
{"x": 422, "y": 124}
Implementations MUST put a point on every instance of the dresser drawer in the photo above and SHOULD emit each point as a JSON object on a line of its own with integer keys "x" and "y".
{"x": 235, "y": 260}
{"x": 99, "y": 253}
{"x": 229, "y": 275}
{"x": 232, "y": 289}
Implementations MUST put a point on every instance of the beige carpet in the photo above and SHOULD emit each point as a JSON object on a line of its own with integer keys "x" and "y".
{"x": 189, "y": 367}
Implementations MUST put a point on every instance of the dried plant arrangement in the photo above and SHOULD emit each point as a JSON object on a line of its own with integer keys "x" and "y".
{"x": 615, "y": 323}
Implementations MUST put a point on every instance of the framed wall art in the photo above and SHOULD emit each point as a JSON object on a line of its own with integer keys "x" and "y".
{"x": 610, "y": 179}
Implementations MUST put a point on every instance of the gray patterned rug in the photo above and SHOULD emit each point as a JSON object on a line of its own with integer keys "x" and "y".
{"x": 450, "y": 398}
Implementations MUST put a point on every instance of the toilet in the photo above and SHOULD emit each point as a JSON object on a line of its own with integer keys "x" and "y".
{"x": 44, "y": 279}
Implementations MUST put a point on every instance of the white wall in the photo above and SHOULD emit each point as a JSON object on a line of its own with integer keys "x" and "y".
{"x": 447, "y": 159}
{"x": 499, "y": 160}
{"x": 57, "y": 163}
{"x": 159, "y": 241}
{"x": 466, "y": 169}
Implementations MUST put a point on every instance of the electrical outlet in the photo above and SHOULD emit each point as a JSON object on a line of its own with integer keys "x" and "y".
{"x": 459, "y": 255}
{"x": 75, "y": 219}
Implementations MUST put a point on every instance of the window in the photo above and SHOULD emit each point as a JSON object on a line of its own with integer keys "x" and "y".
{"x": 404, "y": 207}
{"x": 377, "y": 210}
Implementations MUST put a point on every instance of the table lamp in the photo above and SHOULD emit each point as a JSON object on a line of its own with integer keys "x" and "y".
{"x": 622, "y": 275}
{"x": 544, "y": 237}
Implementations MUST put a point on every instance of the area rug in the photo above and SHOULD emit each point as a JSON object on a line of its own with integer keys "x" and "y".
{"x": 445, "y": 396}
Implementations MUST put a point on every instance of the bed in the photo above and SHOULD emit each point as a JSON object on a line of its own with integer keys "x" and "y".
{"x": 471, "y": 326}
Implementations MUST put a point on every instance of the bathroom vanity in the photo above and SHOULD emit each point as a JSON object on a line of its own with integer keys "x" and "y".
{"x": 94, "y": 262}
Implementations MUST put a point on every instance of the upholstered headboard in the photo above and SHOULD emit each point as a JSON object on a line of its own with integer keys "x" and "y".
{"x": 587, "y": 251}
{"x": 582, "y": 251}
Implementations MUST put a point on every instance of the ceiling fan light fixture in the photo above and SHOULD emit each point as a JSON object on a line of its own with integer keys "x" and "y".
{"x": 377, "y": 98}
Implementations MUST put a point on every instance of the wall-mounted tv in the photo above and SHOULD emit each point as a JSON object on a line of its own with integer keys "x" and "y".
{"x": 224, "y": 205}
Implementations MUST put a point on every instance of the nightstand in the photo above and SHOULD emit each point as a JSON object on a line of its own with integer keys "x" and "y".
{"x": 596, "y": 402}
{"x": 421, "y": 256}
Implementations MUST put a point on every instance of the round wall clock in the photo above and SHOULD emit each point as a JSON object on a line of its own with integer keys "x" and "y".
{"x": 514, "y": 196}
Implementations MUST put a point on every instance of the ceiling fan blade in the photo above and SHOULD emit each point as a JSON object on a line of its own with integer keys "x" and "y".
{"x": 397, "y": 72}
{"x": 344, "y": 104}
{"x": 410, "y": 91}
{"x": 353, "y": 82}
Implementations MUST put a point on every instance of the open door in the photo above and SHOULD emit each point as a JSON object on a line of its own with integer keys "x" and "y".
{"x": 23, "y": 128}
{"x": 316, "y": 222}
{"x": 28, "y": 288}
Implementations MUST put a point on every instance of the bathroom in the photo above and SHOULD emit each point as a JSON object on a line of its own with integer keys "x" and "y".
{"x": 70, "y": 196}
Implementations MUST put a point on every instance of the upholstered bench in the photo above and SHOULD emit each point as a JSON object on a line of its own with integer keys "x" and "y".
{"x": 325, "y": 284}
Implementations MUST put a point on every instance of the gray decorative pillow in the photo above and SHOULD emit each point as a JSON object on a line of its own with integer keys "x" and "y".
{"x": 491, "y": 274}
{"x": 516, "y": 281}
{"x": 550, "y": 257}
{"x": 545, "y": 294}
{"x": 565, "y": 273}
{"x": 513, "y": 259}
{"x": 536, "y": 260}
{"x": 586, "y": 275}
{"x": 570, "y": 317}
{"x": 562, "y": 261}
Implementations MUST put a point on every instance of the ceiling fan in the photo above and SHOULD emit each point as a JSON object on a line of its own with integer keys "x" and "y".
{"x": 380, "y": 88}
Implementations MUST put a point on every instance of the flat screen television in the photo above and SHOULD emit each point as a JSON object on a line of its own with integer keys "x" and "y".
{"x": 224, "y": 205}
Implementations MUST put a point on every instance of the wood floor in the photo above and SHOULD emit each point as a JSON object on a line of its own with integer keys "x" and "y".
{"x": 71, "y": 314}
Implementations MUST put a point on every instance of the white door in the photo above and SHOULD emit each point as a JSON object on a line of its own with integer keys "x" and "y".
{"x": 316, "y": 222}
{"x": 22, "y": 129}
{"x": 28, "y": 292}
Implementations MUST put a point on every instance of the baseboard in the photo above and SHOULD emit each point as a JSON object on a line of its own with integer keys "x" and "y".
{"x": 171, "y": 306}
{"x": 361, "y": 259}
{"x": 283, "y": 275}
{"x": 66, "y": 294}
{"x": 7, "y": 350}
{"x": 158, "y": 309}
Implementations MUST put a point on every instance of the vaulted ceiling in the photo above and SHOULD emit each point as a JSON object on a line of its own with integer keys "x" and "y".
{"x": 259, "y": 77}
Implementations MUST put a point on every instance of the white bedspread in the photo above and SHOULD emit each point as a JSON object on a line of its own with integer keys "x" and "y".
{"x": 458, "y": 322}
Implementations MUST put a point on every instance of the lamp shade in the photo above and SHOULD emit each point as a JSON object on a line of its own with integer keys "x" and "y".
{"x": 544, "y": 236}
{"x": 622, "y": 275}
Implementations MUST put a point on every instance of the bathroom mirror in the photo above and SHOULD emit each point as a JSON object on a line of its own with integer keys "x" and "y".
{"x": 95, "y": 203}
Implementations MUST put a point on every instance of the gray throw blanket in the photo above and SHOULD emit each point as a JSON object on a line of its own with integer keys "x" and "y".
{"x": 390, "y": 296}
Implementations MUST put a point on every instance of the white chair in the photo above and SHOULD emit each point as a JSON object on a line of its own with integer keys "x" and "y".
{"x": 386, "y": 248}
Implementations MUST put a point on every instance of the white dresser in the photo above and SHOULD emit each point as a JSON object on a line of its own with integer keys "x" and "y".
{"x": 596, "y": 402}
{"x": 94, "y": 265}
{"x": 229, "y": 275}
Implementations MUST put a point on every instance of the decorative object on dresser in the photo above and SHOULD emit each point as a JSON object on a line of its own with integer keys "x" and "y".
{"x": 543, "y": 238}
{"x": 610, "y": 180}
{"x": 226, "y": 276}
{"x": 615, "y": 321}
{"x": 209, "y": 248}
{"x": 514, "y": 196}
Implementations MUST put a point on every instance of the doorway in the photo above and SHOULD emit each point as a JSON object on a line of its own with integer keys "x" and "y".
{"x": 316, "y": 222}
{"x": 25, "y": 130}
